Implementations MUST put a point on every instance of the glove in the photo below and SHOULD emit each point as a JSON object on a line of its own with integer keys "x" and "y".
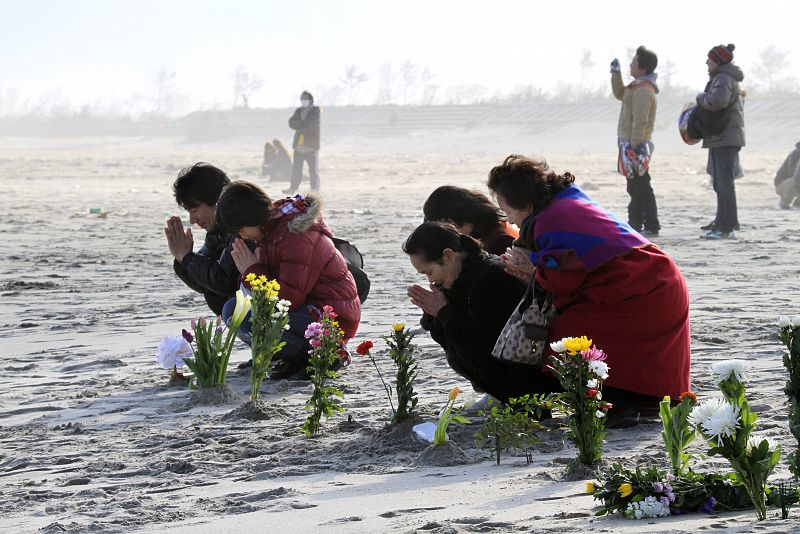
{"x": 615, "y": 66}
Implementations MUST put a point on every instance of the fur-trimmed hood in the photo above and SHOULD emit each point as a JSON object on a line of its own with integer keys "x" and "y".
{"x": 304, "y": 212}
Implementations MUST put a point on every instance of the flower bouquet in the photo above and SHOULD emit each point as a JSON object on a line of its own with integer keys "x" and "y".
{"x": 270, "y": 318}
{"x": 211, "y": 346}
{"x": 790, "y": 337}
{"x": 326, "y": 347}
{"x": 401, "y": 351}
{"x": 727, "y": 425}
{"x": 581, "y": 370}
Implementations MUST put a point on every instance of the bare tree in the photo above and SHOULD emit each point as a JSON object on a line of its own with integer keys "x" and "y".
{"x": 429, "y": 88}
{"x": 244, "y": 84}
{"x": 386, "y": 87}
{"x": 408, "y": 75}
{"x": 162, "y": 92}
{"x": 772, "y": 62}
{"x": 665, "y": 73}
{"x": 352, "y": 79}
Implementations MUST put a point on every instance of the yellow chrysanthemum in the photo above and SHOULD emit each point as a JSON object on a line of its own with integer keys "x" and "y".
{"x": 250, "y": 277}
{"x": 625, "y": 489}
{"x": 255, "y": 284}
{"x": 398, "y": 327}
{"x": 262, "y": 278}
{"x": 454, "y": 393}
{"x": 590, "y": 487}
{"x": 574, "y": 345}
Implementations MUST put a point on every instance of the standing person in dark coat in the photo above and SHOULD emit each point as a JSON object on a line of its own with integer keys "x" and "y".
{"x": 305, "y": 123}
{"x": 211, "y": 270}
{"x": 723, "y": 91}
{"x": 469, "y": 301}
{"x": 473, "y": 214}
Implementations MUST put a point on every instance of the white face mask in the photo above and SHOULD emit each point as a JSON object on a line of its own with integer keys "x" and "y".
{"x": 305, "y": 103}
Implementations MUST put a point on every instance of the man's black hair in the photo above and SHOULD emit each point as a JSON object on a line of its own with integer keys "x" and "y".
{"x": 648, "y": 60}
{"x": 197, "y": 184}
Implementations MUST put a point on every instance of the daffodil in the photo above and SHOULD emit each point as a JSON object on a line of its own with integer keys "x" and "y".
{"x": 625, "y": 489}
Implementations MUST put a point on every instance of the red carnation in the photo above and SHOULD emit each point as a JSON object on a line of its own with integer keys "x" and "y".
{"x": 591, "y": 392}
{"x": 364, "y": 348}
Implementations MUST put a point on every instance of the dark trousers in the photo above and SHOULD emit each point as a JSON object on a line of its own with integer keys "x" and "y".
{"x": 723, "y": 164}
{"x": 642, "y": 209}
{"x": 297, "y": 169}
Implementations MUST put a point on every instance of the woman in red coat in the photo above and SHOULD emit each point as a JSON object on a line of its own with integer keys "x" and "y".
{"x": 607, "y": 281}
{"x": 293, "y": 246}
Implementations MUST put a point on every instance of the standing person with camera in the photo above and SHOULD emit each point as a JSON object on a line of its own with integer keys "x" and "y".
{"x": 637, "y": 119}
{"x": 723, "y": 93}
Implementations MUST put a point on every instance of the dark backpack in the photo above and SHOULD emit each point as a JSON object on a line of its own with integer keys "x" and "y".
{"x": 355, "y": 263}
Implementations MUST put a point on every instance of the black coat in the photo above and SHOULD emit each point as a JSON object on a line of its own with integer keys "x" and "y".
{"x": 479, "y": 304}
{"x": 308, "y": 128}
{"x": 211, "y": 270}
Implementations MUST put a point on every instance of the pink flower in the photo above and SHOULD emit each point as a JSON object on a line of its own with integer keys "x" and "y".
{"x": 591, "y": 392}
{"x": 316, "y": 343}
{"x": 593, "y": 354}
{"x": 327, "y": 331}
{"x": 327, "y": 309}
{"x": 313, "y": 330}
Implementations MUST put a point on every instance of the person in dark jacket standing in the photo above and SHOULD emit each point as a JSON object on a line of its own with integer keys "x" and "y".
{"x": 787, "y": 180}
{"x": 468, "y": 303}
{"x": 723, "y": 92}
{"x": 305, "y": 123}
{"x": 211, "y": 270}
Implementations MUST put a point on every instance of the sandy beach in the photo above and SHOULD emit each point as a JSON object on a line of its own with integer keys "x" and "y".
{"x": 93, "y": 440}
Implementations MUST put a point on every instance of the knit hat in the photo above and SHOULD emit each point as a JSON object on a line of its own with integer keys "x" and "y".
{"x": 721, "y": 54}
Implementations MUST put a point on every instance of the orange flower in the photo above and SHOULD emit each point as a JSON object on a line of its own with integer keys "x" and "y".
{"x": 454, "y": 393}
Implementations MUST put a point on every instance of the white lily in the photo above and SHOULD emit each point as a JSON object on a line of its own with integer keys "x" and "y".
{"x": 243, "y": 305}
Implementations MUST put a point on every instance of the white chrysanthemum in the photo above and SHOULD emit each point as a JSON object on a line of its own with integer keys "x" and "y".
{"x": 599, "y": 368}
{"x": 755, "y": 441}
{"x": 784, "y": 321}
{"x": 703, "y": 411}
{"x": 592, "y": 383}
{"x": 558, "y": 346}
{"x": 723, "y": 423}
{"x": 795, "y": 320}
{"x": 286, "y": 327}
{"x": 283, "y": 306}
{"x": 730, "y": 368}
{"x": 599, "y": 414}
{"x": 172, "y": 350}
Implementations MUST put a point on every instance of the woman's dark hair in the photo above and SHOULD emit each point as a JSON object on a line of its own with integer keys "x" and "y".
{"x": 648, "y": 60}
{"x": 197, "y": 184}
{"x": 526, "y": 183}
{"x": 460, "y": 206}
{"x": 243, "y": 204}
{"x": 431, "y": 238}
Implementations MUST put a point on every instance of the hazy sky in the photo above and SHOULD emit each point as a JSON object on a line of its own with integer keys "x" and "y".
{"x": 90, "y": 50}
